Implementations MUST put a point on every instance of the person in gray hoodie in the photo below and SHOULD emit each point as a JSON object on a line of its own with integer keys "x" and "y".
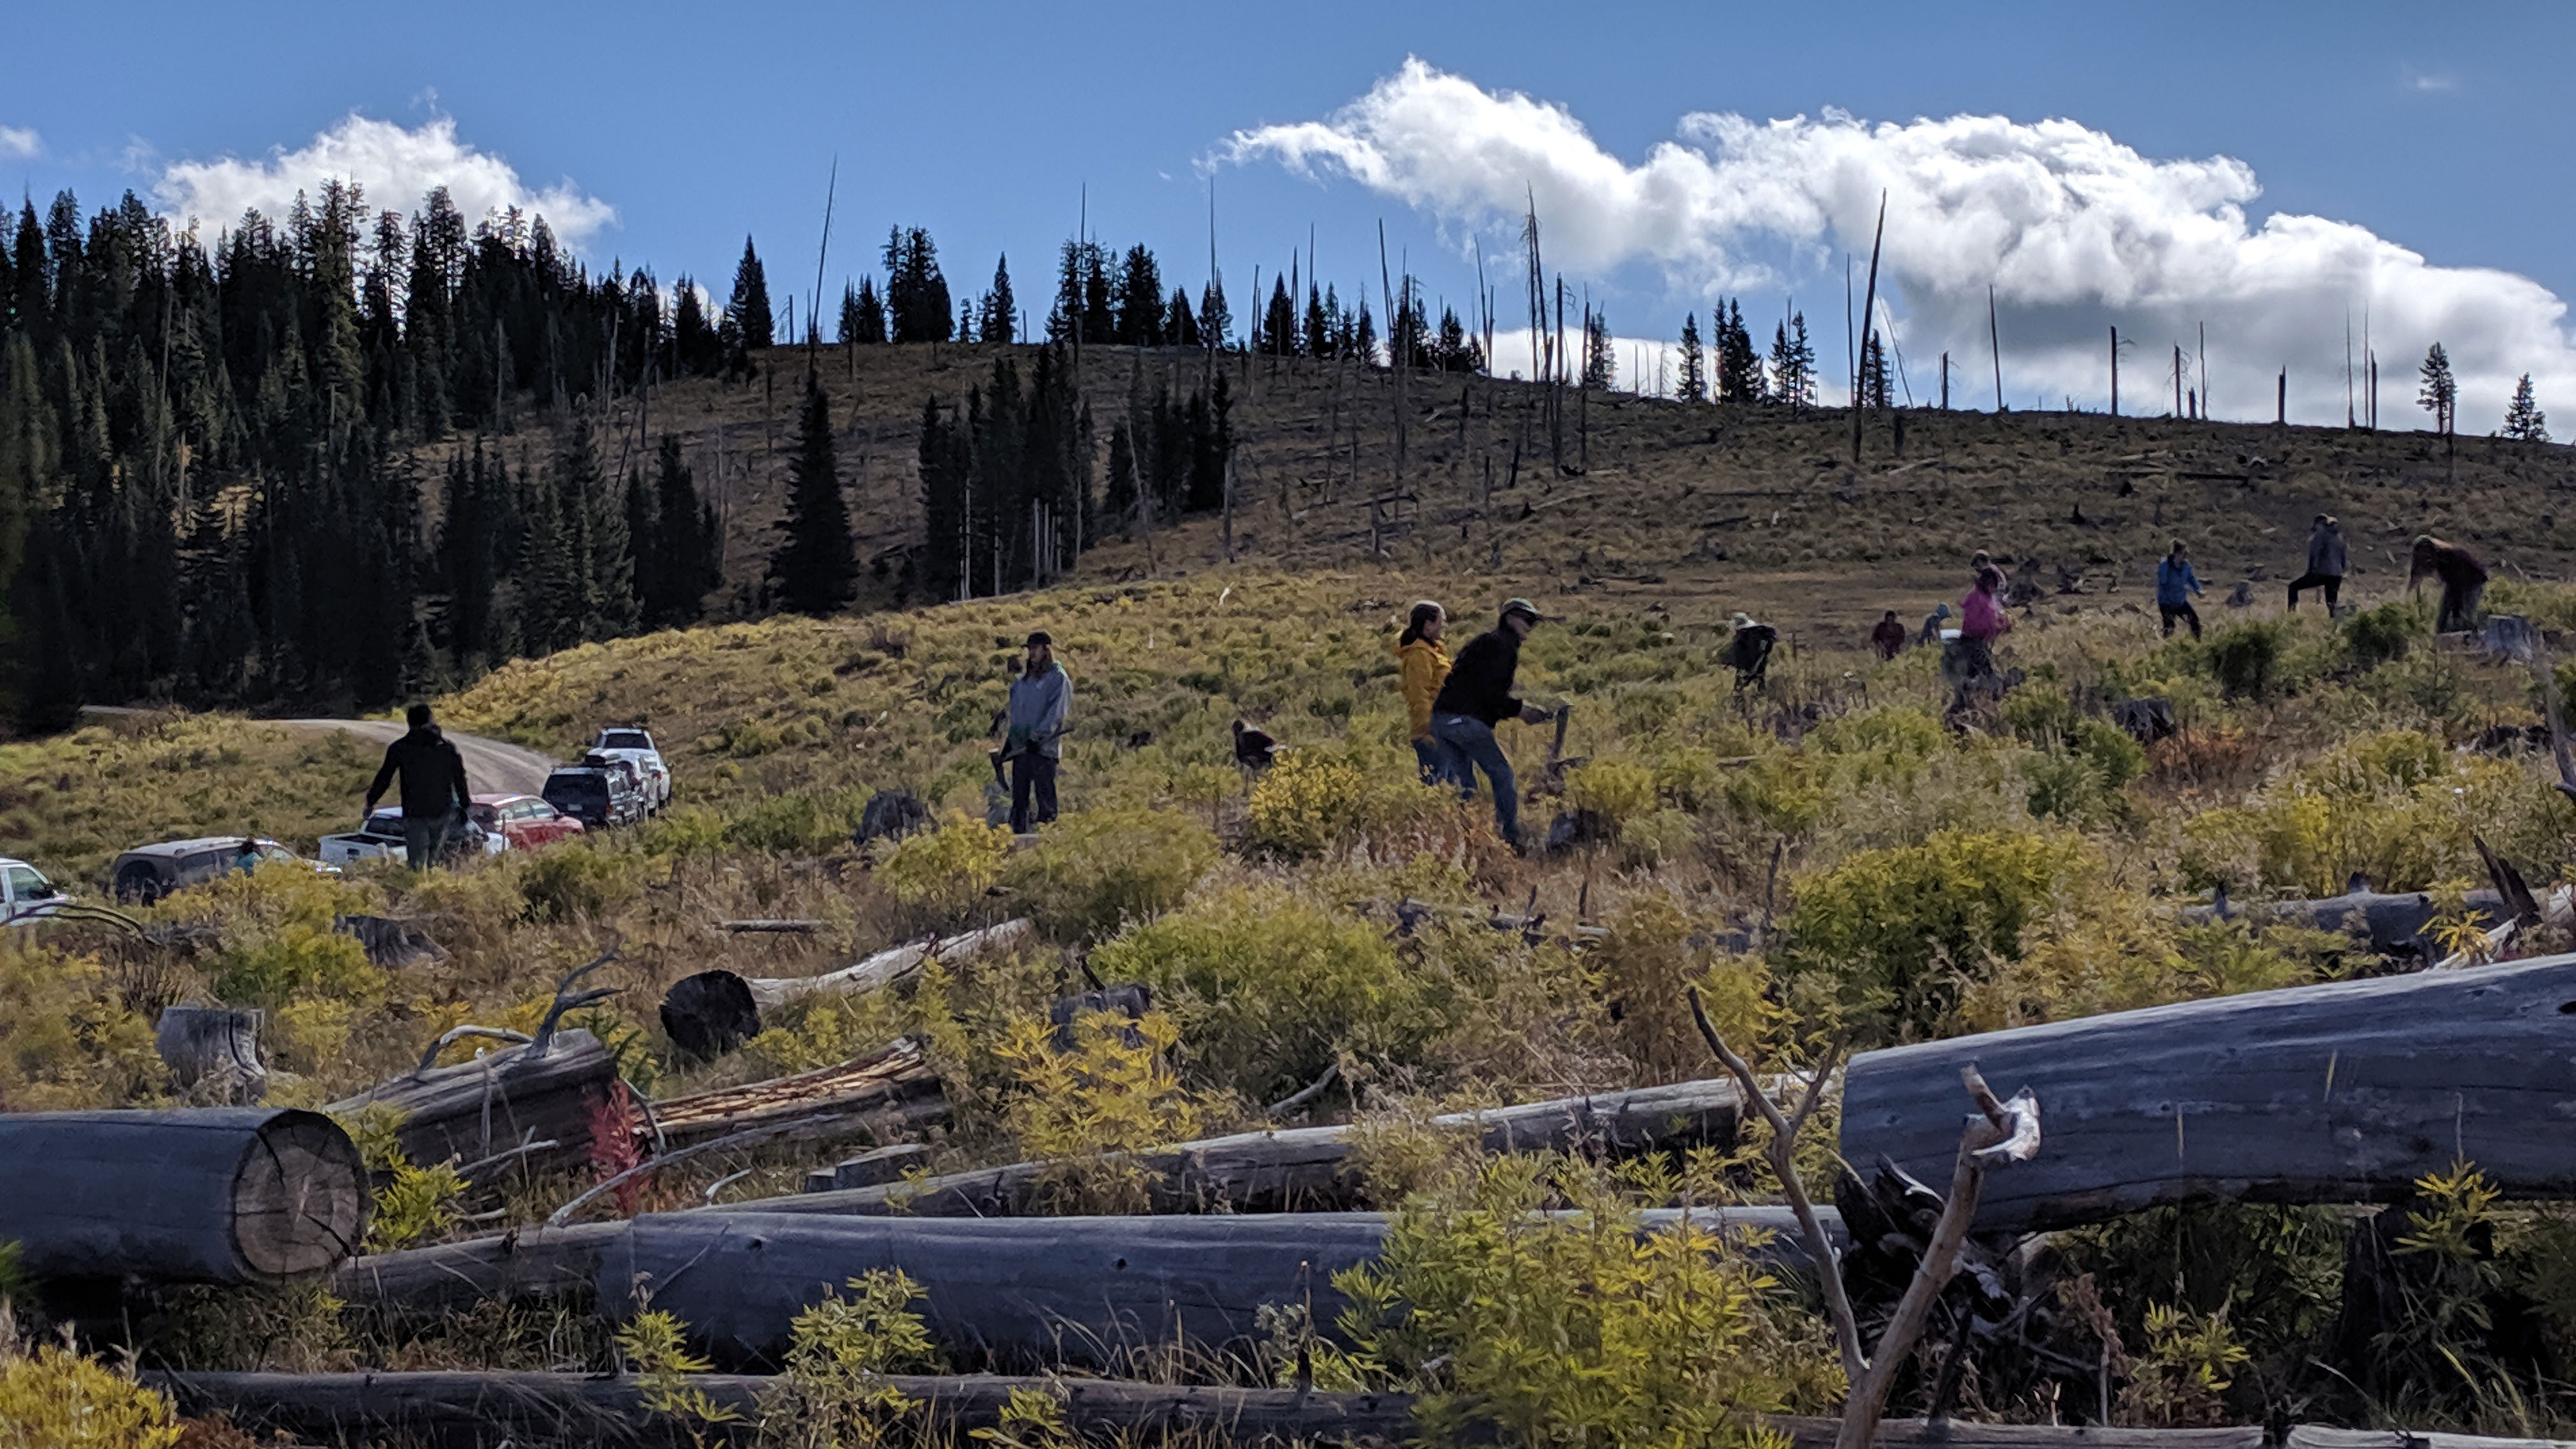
{"x": 1041, "y": 702}
{"x": 2325, "y": 563}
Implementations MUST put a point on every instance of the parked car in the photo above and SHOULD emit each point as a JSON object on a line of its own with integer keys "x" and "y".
{"x": 631, "y": 743}
{"x": 25, "y": 894}
{"x": 148, "y": 872}
{"x": 380, "y": 837}
{"x": 523, "y": 822}
{"x": 600, "y": 797}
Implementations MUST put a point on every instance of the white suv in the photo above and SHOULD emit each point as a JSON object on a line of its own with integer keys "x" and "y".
{"x": 25, "y": 894}
{"x": 631, "y": 744}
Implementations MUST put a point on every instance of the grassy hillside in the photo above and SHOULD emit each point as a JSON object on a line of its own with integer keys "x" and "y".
{"x": 1662, "y": 499}
{"x": 1822, "y": 857}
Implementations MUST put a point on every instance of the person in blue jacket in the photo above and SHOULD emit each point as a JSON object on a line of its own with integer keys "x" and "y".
{"x": 2175, "y": 586}
{"x": 1041, "y": 700}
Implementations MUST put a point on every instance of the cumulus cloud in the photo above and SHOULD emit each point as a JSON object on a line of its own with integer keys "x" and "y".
{"x": 17, "y": 142}
{"x": 395, "y": 165}
{"x": 2075, "y": 232}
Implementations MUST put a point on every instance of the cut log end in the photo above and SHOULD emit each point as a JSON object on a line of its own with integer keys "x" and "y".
{"x": 300, "y": 1201}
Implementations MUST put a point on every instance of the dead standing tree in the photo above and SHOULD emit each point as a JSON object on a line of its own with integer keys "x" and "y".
{"x": 2001, "y": 1134}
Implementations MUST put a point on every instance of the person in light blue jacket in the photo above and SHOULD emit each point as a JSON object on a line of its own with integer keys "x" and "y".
{"x": 1041, "y": 704}
{"x": 2175, "y": 586}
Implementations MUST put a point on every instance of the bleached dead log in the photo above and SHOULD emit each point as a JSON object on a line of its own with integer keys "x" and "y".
{"x": 1307, "y": 1169}
{"x": 888, "y": 966}
{"x": 486, "y": 1410}
{"x": 197, "y": 1195}
{"x": 893, "y": 1083}
{"x": 2345, "y": 1092}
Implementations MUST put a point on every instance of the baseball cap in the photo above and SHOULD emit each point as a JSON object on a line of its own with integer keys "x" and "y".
{"x": 1524, "y": 607}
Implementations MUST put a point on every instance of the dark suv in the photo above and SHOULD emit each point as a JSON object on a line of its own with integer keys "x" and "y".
{"x": 598, "y": 798}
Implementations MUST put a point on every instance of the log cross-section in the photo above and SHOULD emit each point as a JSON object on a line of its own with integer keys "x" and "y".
{"x": 2347, "y": 1092}
{"x": 210, "y": 1195}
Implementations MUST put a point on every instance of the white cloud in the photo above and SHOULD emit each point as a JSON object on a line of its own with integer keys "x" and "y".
{"x": 395, "y": 165}
{"x": 2075, "y": 231}
{"x": 19, "y": 142}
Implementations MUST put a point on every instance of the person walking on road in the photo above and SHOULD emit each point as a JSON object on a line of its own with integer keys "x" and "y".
{"x": 2175, "y": 586}
{"x": 2325, "y": 563}
{"x": 1422, "y": 666}
{"x": 1041, "y": 701}
{"x": 1478, "y": 696}
{"x": 434, "y": 792}
{"x": 2463, "y": 580}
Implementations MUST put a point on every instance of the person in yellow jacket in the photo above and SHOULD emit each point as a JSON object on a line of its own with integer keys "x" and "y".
{"x": 1422, "y": 666}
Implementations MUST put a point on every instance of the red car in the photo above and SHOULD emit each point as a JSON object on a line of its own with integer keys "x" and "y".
{"x": 524, "y": 821}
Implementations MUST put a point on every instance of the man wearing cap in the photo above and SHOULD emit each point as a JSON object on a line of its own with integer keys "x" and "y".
{"x": 2325, "y": 563}
{"x": 1040, "y": 700}
{"x": 1477, "y": 696}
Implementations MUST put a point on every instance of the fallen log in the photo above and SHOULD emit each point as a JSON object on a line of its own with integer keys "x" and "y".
{"x": 891, "y": 1081}
{"x": 485, "y": 1410}
{"x": 2346, "y": 1092}
{"x": 476, "y": 1111}
{"x": 2391, "y": 921}
{"x": 1083, "y": 1290}
{"x": 212, "y": 1053}
{"x": 195, "y": 1195}
{"x": 1305, "y": 1169}
{"x": 881, "y": 1164}
{"x": 888, "y": 966}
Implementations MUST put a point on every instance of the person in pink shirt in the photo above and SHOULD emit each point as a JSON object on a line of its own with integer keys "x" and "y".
{"x": 1981, "y": 622}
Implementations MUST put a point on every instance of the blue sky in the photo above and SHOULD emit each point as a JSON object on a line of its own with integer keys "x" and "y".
{"x": 2435, "y": 131}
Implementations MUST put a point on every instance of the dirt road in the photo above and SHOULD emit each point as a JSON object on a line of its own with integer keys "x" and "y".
{"x": 491, "y": 766}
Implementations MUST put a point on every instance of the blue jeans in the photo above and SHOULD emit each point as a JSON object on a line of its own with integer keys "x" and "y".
{"x": 1433, "y": 757}
{"x": 1472, "y": 746}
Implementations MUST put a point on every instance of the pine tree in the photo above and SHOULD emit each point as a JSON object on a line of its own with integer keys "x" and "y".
{"x": 1000, "y": 320}
{"x": 1099, "y": 307}
{"x": 1793, "y": 364}
{"x": 748, "y": 310}
{"x": 1279, "y": 324}
{"x": 814, "y": 569}
{"x": 2440, "y": 393}
{"x": 1140, "y": 299}
{"x": 1600, "y": 368}
{"x": 1693, "y": 385}
{"x": 1873, "y": 372}
{"x": 917, "y": 300}
{"x": 1216, "y": 319}
{"x": 1180, "y": 323}
{"x": 944, "y": 520}
{"x": 2523, "y": 421}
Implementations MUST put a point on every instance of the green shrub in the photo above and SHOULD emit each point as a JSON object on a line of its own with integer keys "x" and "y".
{"x": 946, "y": 871}
{"x": 1575, "y": 1329}
{"x": 1095, "y": 870}
{"x": 2384, "y": 634}
{"x": 294, "y": 963}
{"x": 1895, "y": 932}
{"x": 576, "y": 879}
{"x": 1314, "y": 800}
{"x": 1271, "y": 987}
{"x": 2246, "y": 659}
{"x": 1615, "y": 790}
{"x": 802, "y": 823}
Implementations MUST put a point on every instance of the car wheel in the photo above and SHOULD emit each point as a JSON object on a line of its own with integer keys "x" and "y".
{"x": 138, "y": 886}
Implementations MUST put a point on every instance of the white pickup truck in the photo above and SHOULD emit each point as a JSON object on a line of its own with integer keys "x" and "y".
{"x": 380, "y": 837}
{"x": 25, "y": 894}
{"x": 635, "y": 746}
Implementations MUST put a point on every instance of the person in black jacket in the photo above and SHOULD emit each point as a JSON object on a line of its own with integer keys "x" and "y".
{"x": 1478, "y": 696}
{"x": 434, "y": 792}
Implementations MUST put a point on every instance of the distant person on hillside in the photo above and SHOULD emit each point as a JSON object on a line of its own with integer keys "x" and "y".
{"x": 1478, "y": 696}
{"x": 1932, "y": 623}
{"x": 2175, "y": 586}
{"x": 1978, "y": 563}
{"x": 2325, "y": 563}
{"x": 1749, "y": 651}
{"x": 1969, "y": 660}
{"x": 1040, "y": 705}
{"x": 1889, "y": 637}
{"x": 2463, "y": 580}
{"x": 1422, "y": 666}
{"x": 434, "y": 792}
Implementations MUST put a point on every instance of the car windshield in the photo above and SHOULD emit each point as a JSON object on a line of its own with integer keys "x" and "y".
{"x": 276, "y": 852}
{"x": 26, "y": 885}
{"x": 625, "y": 740}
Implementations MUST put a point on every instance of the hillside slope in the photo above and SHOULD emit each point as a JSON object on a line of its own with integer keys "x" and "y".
{"x": 1659, "y": 497}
